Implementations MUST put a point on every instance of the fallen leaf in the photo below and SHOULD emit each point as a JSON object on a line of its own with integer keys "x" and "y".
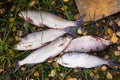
{"x": 65, "y": 1}
{"x": 96, "y": 77}
{"x": 118, "y": 33}
{"x": 36, "y": 74}
{"x": 114, "y": 38}
{"x": 32, "y": 3}
{"x": 52, "y": 73}
{"x": 118, "y": 22}
{"x": 70, "y": 78}
{"x": 103, "y": 68}
{"x": 91, "y": 74}
{"x": 110, "y": 31}
{"x": 20, "y": 33}
{"x": 22, "y": 68}
{"x": 106, "y": 57}
{"x": 79, "y": 31}
{"x": 117, "y": 53}
{"x": 17, "y": 38}
{"x": 1, "y": 70}
{"x": 11, "y": 19}
{"x": 61, "y": 74}
{"x": 109, "y": 75}
{"x": 118, "y": 48}
{"x": 64, "y": 8}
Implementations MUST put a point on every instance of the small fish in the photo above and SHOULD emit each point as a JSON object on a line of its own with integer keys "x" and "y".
{"x": 41, "y": 18}
{"x": 49, "y": 51}
{"x": 37, "y": 39}
{"x": 82, "y": 60}
{"x": 88, "y": 44}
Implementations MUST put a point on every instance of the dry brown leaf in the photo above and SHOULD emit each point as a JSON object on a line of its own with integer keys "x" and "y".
{"x": 70, "y": 78}
{"x": 65, "y": 1}
{"x": 109, "y": 76}
{"x": 118, "y": 48}
{"x": 36, "y": 74}
{"x": 118, "y": 33}
{"x": 79, "y": 31}
{"x": 52, "y": 73}
{"x": 32, "y": 3}
{"x": 117, "y": 53}
{"x": 91, "y": 74}
{"x": 114, "y": 38}
{"x": 110, "y": 31}
{"x": 1, "y": 70}
{"x": 104, "y": 68}
{"x": 22, "y": 68}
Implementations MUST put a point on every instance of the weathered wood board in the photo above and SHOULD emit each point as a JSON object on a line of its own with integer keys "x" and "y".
{"x": 95, "y": 9}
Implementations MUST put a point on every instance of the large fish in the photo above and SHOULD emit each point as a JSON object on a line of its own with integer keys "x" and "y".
{"x": 88, "y": 44}
{"x": 38, "y": 39}
{"x": 41, "y": 18}
{"x": 82, "y": 60}
{"x": 42, "y": 54}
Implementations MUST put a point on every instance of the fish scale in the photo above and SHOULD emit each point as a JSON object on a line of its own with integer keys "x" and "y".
{"x": 42, "y": 18}
{"x": 88, "y": 44}
{"x": 49, "y": 51}
{"x": 38, "y": 39}
{"x": 82, "y": 60}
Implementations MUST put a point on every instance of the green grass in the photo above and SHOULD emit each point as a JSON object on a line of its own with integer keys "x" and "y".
{"x": 8, "y": 55}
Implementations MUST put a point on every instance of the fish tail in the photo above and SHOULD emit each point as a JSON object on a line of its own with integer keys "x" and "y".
{"x": 111, "y": 63}
{"x": 17, "y": 67}
{"x": 73, "y": 29}
{"x": 79, "y": 23}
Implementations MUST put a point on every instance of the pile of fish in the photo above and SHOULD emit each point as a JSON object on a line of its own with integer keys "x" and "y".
{"x": 51, "y": 42}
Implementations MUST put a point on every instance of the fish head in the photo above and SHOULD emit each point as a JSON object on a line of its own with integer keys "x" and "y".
{"x": 23, "y": 46}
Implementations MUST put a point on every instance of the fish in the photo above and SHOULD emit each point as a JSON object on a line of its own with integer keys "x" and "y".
{"x": 38, "y": 39}
{"x": 42, "y": 54}
{"x": 88, "y": 44}
{"x": 82, "y": 60}
{"x": 42, "y": 18}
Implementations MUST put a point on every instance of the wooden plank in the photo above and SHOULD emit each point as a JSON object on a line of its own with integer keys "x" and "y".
{"x": 95, "y": 9}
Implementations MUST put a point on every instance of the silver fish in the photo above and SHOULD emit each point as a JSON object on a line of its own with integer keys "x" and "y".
{"x": 38, "y": 39}
{"x": 88, "y": 44}
{"x": 41, "y": 18}
{"x": 49, "y": 51}
{"x": 82, "y": 60}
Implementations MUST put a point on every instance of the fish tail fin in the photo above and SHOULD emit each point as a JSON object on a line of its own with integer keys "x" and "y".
{"x": 17, "y": 67}
{"x": 111, "y": 63}
{"x": 73, "y": 29}
{"x": 79, "y": 21}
